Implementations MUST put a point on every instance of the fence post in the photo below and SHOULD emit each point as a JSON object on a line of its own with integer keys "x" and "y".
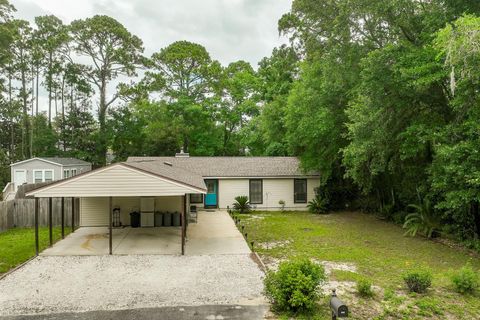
{"x": 37, "y": 205}
{"x": 73, "y": 214}
{"x": 50, "y": 220}
{"x": 63, "y": 217}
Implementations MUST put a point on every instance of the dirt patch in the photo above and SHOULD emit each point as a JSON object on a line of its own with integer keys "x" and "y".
{"x": 96, "y": 236}
{"x": 274, "y": 244}
{"x": 332, "y": 265}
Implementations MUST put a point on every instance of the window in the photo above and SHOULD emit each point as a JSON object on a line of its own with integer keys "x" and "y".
{"x": 256, "y": 191}
{"x": 48, "y": 175}
{"x": 42, "y": 176}
{"x": 37, "y": 176}
{"x": 196, "y": 198}
{"x": 73, "y": 172}
{"x": 66, "y": 173}
{"x": 300, "y": 191}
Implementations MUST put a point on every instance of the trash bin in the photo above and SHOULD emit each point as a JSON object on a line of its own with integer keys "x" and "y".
{"x": 167, "y": 219}
{"x": 158, "y": 219}
{"x": 135, "y": 219}
{"x": 176, "y": 219}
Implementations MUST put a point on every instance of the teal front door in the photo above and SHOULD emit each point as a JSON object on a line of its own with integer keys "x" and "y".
{"x": 211, "y": 198}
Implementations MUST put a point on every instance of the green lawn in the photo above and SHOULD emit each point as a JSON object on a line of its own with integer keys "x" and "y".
{"x": 18, "y": 245}
{"x": 380, "y": 252}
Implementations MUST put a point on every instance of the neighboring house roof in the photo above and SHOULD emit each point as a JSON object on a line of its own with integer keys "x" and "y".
{"x": 56, "y": 160}
{"x": 230, "y": 166}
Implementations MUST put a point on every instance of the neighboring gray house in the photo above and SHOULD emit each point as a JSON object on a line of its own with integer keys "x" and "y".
{"x": 42, "y": 169}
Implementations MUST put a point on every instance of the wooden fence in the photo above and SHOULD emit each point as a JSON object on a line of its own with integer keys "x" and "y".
{"x": 20, "y": 213}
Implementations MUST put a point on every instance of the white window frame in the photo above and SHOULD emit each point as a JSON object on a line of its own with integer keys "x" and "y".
{"x": 73, "y": 172}
{"x": 65, "y": 176}
{"x": 43, "y": 174}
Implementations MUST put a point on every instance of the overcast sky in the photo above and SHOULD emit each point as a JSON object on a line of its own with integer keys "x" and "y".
{"x": 229, "y": 29}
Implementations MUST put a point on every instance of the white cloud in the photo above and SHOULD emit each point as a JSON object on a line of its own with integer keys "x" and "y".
{"x": 230, "y": 30}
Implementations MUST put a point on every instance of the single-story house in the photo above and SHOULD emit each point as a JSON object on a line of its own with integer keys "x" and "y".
{"x": 45, "y": 169}
{"x": 264, "y": 180}
{"x": 175, "y": 184}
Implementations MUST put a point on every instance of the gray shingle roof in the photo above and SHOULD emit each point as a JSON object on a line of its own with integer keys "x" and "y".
{"x": 65, "y": 161}
{"x": 231, "y": 166}
{"x": 170, "y": 172}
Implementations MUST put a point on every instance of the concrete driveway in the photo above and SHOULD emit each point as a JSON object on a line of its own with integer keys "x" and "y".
{"x": 217, "y": 271}
{"x": 214, "y": 233}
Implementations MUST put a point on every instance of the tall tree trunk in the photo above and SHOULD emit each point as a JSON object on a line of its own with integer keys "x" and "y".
{"x": 12, "y": 120}
{"x": 102, "y": 112}
{"x": 26, "y": 122}
{"x": 49, "y": 80}
{"x": 36, "y": 96}
{"x": 62, "y": 133}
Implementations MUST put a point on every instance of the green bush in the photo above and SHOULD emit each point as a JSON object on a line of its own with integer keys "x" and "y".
{"x": 241, "y": 204}
{"x": 364, "y": 288}
{"x": 295, "y": 286}
{"x": 319, "y": 204}
{"x": 466, "y": 280}
{"x": 418, "y": 280}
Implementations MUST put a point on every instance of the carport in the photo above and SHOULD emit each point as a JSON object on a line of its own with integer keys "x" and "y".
{"x": 99, "y": 189}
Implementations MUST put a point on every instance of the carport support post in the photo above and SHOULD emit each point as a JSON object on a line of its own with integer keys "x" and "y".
{"x": 183, "y": 223}
{"x": 50, "y": 222}
{"x": 63, "y": 218}
{"x": 73, "y": 214}
{"x": 110, "y": 226}
{"x": 37, "y": 206}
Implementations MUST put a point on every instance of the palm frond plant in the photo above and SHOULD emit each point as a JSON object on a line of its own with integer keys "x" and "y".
{"x": 241, "y": 204}
{"x": 422, "y": 220}
{"x": 319, "y": 204}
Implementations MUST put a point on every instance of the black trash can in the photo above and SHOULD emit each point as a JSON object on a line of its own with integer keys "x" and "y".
{"x": 176, "y": 219}
{"x": 158, "y": 219}
{"x": 167, "y": 219}
{"x": 135, "y": 219}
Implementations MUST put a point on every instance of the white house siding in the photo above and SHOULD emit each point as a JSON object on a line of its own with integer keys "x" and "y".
{"x": 94, "y": 211}
{"x": 274, "y": 190}
{"x": 117, "y": 180}
{"x": 36, "y": 164}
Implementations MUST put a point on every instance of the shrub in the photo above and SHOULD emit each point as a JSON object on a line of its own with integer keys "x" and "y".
{"x": 241, "y": 205}
{"x": 423, "y": 220}
{"x": 364, "y": 288}
{"x": 319, "y": 204}
{"x": 466, "y": 280}
{"x": 295, "y": 286}
{"x": 418, "y": 280}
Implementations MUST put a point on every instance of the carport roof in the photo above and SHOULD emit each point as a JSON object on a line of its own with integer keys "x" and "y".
{"x": 126, "y": 179}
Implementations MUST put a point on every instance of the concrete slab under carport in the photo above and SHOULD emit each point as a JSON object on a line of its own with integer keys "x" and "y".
{"x": 215, "y": 233}
{"x": 94, "y": 241}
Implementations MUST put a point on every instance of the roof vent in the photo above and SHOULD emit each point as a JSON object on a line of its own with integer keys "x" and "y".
{"x": 182, "y": 154}
{"x": 168, "y": 163}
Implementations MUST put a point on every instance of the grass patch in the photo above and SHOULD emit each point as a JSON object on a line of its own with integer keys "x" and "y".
{"x": 379, "y": 250}
{"x": 18, "y": 245}
{"x": 343, "y": 275}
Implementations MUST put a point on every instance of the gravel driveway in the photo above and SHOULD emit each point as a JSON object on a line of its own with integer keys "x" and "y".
{"x": 52, "y": 284}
